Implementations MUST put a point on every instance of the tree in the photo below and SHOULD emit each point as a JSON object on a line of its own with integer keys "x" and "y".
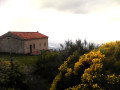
{"x": 82, "y": 47}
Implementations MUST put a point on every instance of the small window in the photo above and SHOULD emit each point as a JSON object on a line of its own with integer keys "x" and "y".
{"x": 40, "y": 44}
{"x": 45, "y": 44}
{"x": 34, "y": 46}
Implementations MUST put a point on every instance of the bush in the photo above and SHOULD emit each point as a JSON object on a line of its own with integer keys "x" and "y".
{"x": 49, "y": 62}
{"x": 65, "y": 70}
{"x": 47, "y": 65}
{"x": 12, "y": 78}
{"x": 99, "y": 69}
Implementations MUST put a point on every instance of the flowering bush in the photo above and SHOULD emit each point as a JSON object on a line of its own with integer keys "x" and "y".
{"x": 99, "y": 69}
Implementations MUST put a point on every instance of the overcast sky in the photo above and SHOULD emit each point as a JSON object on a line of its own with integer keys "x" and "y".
{"x": 93, "y": 20}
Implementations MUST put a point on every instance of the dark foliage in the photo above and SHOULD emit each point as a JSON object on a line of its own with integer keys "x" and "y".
{"x": 14, "y": 78}
{"x": 82, "y": 47}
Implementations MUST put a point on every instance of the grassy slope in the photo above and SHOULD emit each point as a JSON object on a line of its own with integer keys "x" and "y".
{"x": 29, "y": 61}
{"x": 25, "y": 59}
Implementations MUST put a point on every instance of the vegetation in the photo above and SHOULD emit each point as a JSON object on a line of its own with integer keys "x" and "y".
{"x": 49, "y": 62}
{"x": 46, "y": 66}
{"x": 82, "y": 47}
{"x": 12, "y": 78}
{"x": 98, "y": 69}
{"x": 77, "y": 65}
{"x": 23, "y": 59}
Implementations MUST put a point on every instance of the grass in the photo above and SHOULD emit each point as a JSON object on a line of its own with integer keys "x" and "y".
{"x": 25, "y": 59}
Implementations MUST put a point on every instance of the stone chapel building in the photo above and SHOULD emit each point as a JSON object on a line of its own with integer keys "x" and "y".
{"x": 23, "y": 42}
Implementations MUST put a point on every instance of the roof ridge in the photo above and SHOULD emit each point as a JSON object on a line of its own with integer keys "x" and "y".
{"x": 23, "y": 32}
{"x": 29, "y": 35}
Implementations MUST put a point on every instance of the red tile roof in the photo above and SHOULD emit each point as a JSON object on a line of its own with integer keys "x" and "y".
{"x": 29, "y": 35}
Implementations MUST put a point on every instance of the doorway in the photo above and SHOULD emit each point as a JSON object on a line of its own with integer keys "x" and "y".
{"x": 30, "y": 48}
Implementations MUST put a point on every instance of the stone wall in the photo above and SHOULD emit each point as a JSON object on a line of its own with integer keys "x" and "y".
{"x": 10, "y": 44}
{"x": 37, "y": 45}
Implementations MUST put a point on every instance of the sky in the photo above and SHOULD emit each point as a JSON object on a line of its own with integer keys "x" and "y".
{"x": 94, "y": 20}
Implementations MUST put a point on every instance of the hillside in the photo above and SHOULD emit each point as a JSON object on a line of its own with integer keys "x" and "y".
{"x": 98, "y": 69}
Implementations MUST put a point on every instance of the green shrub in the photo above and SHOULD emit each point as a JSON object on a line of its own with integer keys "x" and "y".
{"x": 47, "y": 65}
{"x": 12, "y": 79}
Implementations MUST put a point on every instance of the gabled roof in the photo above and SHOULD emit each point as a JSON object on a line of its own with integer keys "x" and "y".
{"x": 29, "y": 35}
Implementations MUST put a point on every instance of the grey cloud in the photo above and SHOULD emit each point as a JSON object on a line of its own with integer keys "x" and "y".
{"x": 79, "y": 6}
{"x": 2, "y": 2}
